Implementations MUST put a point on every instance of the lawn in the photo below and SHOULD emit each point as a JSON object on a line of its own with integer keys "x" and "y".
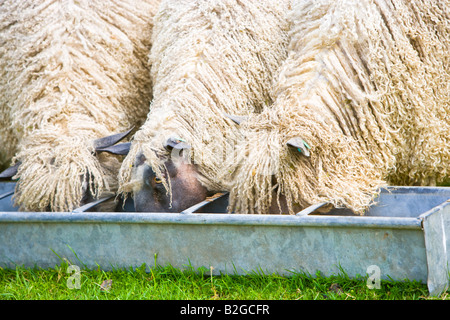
{"x": 169, "y": 283}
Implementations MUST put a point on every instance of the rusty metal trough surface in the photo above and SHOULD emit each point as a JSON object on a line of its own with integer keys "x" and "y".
{"x": 404, "y": 236}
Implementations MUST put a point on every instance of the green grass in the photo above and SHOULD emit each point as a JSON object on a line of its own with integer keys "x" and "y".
{"x": 169, "y": 283}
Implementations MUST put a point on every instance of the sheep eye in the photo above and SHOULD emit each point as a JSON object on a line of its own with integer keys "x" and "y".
{"x": 157, "y": 180}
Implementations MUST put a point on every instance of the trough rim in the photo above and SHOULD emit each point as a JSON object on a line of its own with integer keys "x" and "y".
{"x": 211, "y": 219}
{"x": 190, "y": 217}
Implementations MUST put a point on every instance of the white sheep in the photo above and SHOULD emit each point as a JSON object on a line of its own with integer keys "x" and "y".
{"x": 209, "y": 58}
{"x": 362, "y": 100}
{"x": 70, "y": 72}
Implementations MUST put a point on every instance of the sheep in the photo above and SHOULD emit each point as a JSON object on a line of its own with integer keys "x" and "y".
{"x": 71, "y": 72}
{"x": 362, "y": 101}
{"x": 209, "y": 59}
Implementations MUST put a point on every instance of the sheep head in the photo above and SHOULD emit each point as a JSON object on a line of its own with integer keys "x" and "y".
{"x": 109, "y": 144}
{"x": 151, "y": 194}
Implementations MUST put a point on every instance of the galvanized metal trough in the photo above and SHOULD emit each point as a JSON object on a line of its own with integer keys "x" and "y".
{"x": 405, "y": 236}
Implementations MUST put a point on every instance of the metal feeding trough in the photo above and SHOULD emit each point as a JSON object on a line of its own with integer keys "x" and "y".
{"x": 403, "y": 236}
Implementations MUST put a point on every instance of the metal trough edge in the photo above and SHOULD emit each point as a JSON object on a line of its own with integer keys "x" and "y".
{"x": 211, "y": 219}
{"x": 434, "y": 210}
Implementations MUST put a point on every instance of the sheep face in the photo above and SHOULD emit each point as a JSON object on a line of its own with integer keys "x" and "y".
{"x": 151, "y": 194}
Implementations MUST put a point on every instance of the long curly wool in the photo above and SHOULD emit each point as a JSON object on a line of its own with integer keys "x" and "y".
{"x": 366, "y": 85}
{"x": 209, "y": 58}
{"x": 70, "y": 72}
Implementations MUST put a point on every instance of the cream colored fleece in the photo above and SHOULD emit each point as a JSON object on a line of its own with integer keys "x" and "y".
{"x": 366, "y": 85}
{"x": 70, "y": 71}
{"x": 209, "y": 58}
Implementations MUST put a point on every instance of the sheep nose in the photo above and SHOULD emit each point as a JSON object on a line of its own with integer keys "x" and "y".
{"x": 140, "y": 160}
{"x": 146, "y": 173}
{"x": 142, "y": 169}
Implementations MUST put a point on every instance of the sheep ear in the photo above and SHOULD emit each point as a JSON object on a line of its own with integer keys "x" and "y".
{"x": 10, "y": 172}
{"x": 176, "y": 143}
{"x": 108, "y": 141}
{"x": 237, "y": 119}
{"x": 119, "y": 149}
{"x": 300, "y": 145}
